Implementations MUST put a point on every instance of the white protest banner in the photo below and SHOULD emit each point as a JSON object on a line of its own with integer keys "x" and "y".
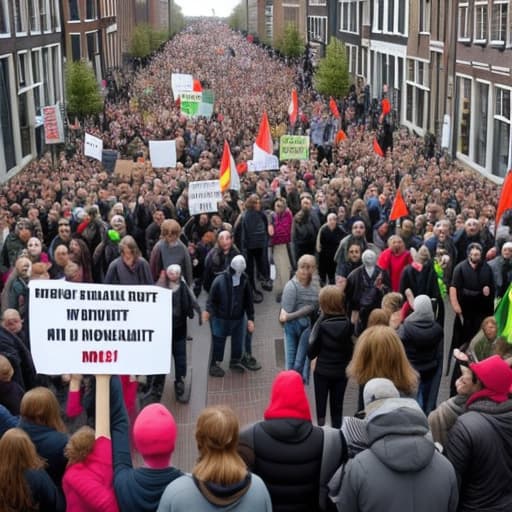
{"x": 181, "y": 83}
{"x": 162, "y": 153}
{"x": 93, "y": 147}
{"x": 203, "y": 196}
{"x": 100, "y": 329}
{"x": 269, "y": 163}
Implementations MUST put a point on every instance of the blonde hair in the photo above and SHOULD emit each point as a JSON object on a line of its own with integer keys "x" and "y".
{"x": 40, "y": 406}
{"x": 392, "y": 302}
{"x": 6, "y": 370}
{"x": 378, "y": 317}
{"x": 380, "y": 353}
{"x": 80, "y": 445}
{"x": 217, "y": 442}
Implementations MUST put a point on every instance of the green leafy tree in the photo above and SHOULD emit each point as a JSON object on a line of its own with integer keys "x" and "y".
{"x": 238, "y": 17}
{"x": 140, "y": 46}
{"x": 332, "y": 77}
{"x": 82, "y": 90}
{"x": 291, "y": 43}
{"x": 177, "y": 21}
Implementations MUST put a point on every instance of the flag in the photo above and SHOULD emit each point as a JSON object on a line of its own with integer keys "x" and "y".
{"x": 263, "y": 146}
{"x": 229, "y": 179}
{"x": 334, "y": 108}
{"x": 293, "y": 109}
{"x": 399, "y": 208}
{"x": 197, "y": 87}
{"x": 503, "y": 316}
{"x": 385, "y": 106}
{"x": 341, "y": 135}
{"x": 377, "y": 148}
{"x": 505, "y": 201}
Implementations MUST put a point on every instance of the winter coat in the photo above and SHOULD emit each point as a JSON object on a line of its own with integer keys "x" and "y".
{"x": 119, "y": 273}
{"x": 400, "y": 471}
{"x": 215, "y": 263}
{"x": 44, "y": 492}
{"x": 282, "y": 227}
{"x": 480, "y": 448}
{"x": 13, "y": 348}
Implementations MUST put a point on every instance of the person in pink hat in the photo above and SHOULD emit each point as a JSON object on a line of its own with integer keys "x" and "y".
{"x": 480, "y": 443}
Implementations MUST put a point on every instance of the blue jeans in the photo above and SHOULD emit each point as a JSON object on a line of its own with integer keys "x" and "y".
{"x": 221, "y": 329}
{"x": 296, "y": 334}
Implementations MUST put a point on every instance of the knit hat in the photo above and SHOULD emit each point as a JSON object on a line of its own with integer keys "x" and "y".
{"x": 496, "y": 377}
{"x": 154, "y": 435}
{"x": 288, "y": 398}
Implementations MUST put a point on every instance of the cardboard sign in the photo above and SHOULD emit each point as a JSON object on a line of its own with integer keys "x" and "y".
{"x": 203, "y": 196}
{"x": 124, "y": 169}
{"x": 93, "y": 146}
{"x": 100, "y": 329}
{"x": 294, "y": 147}
{"x": 181, "y": 82}
{"x": 162, "y": 153}
{"x": 53, "y": 126}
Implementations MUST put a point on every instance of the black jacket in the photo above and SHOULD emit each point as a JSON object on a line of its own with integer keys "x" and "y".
{"x": 13, "y": 348}
{"x": 331, "y": 343}
{"x": 215, "y": 263}
{"x": 480, "y": 449}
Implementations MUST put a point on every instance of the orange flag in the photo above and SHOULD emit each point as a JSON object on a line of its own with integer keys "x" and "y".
{"x": 505, "y": 201}
{"x": 293, "y": 109}
{"x": 334, "y": 108}
{"x": 341, "y": 135}
{"x": 197, "y": 87}
{"x": 264, "y": 138}
{"x": 399, "y": 208}
{"x": 377, "y": 148}
{"x": 228, "y": 177}
{"x": 385, "y": 106}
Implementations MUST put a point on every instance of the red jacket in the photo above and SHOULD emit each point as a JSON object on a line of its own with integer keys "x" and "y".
{"x": 394, "y": 264}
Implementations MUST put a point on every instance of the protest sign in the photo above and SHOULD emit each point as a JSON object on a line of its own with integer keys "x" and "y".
{"x": 162, "y": 153}
{"x": 109, "y": 159}
{"x": 203, "y": 196}
{"x": 53, "y": 126}
{"x": 93, "y": 146}
{"x": 181, "y": 82}
{"x": 206, "y": 105}
{"x": 100, "y": 329}
{"x": 294, "y": 147}
{"x": 124, "y": 169}
{"x": 269, "y": 163}
{"x": 190, "y": 102}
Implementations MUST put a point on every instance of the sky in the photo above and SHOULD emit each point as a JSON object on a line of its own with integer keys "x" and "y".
{"x": 222, "y": 8}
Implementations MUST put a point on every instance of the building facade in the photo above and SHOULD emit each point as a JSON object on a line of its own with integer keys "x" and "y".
{"x": 109, "y": 34}
{"x": 289, "y": 12}
{"x": 30, "y": 77}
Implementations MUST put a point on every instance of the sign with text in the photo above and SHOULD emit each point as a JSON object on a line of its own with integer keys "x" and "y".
{"x": 181, "y": 82}
{"x": 53, "y": 126}
{"x": 203, "y": 196}
{"x": 100, "y": 329}
{"x": 190, "y": 103}
{"x": 294, "y": 147}
{"x": 269, "y": 163}
{"x": 162, "y": 153}
{"x": 93, "y": 147}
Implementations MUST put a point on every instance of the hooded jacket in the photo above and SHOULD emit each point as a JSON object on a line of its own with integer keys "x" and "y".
{"x": 285, "y": 449}
{"x": 401, "y": 469}
{"x": 480, "y": 449}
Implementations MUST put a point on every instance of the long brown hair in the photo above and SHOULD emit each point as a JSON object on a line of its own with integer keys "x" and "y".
{"x": 17, "y": 453}
{"x": 40, "y": 406}
{"x": 217, "y": 442}
{"x": 380, "y": 353}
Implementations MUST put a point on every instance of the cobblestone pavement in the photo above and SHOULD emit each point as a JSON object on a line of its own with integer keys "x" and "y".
{"x": 246, "y": 393}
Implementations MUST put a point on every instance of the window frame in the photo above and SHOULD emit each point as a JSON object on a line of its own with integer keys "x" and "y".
{"x": 466, "y": 36}
{"x": 351, "y": 6}
{"x": 479, "y": 37}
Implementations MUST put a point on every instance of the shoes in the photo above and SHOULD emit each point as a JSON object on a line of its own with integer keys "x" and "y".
{"x": 216, "y": 370}
{"x": 250, "y": 363}
{"x": 179, "y": 388}
{"x": 267, "y": 285}
{"x": 236, "y": 366}
{"x": 257, "y": 297}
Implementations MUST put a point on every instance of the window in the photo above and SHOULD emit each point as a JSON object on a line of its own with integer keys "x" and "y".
{"x": 378, "y": 15}
{"x": 417, "y": 92}
{"x": 74, "y": 10}
{"x": 92, "y": 45}
{"x": 38, "y": 80}
{"x": 20, "y": 16}
{"x": 317, "y": 28}
{"x": 90, "y": 10}
{"x": 499, "y": 22}
{"x": 57, "y": 72}
{"x": 44, "y": 9}
{"x": 502, "y": 124}
{"x": 391, "y": 15}
{"x": 349, "y": 16}
{"x": 291, "y": 15}
{"x": 7, "y": 151}
{"x": 23, "y": 70}
{"x": 352, "y": 58}
{"x": 55, "y": 15}
{"x": 402, "y": 16}
{"x": 481, "y": 21}
{"x": 4, "y": 17}
{"x": 425, "y": 15}
{"x": 33, "y": 14}
{"x": 76, "y": 48}
{"x": 463, "y": 28}
{"x": 464, "y": 114}
{"x": 481, "y": 109}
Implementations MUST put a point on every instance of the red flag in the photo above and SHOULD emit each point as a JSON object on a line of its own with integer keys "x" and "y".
{"x": 341, "y": 135}
{"x": 197, "y": 87}
{"x": 334, "y": 108}
{"x": 399, "y": 208}
{"x": 505, "y": 201}
{"x": 385, "y": 105}
{"x": 228, "y": 176}
{"x": 264, "y": 138}
{"x": 241, "y": 168}
{"x": 293, "y": 109}
{"x": 377, "y": 148}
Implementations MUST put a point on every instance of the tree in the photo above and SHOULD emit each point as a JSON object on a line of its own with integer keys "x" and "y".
{"x": 82, "y": 90}
{"x": 238, "y": 18}
{"x": 177, "y": 21}
{"x": 291, "y": 43}
{"x": 332, "y": 77}
{"x": 140, "y": 45}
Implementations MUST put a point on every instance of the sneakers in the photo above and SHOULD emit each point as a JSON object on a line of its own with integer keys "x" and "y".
{"x": 236, "y": 366}
{"x": 179, "y": 391}
{"x": 250, "y": 363}
{"x": 267, "y": 285}
{"x": 216, "y": 370}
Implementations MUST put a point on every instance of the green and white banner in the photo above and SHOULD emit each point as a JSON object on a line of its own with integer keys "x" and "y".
{"x": 294, "y": 147}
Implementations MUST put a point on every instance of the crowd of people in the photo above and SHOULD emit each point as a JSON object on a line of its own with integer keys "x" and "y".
{"x": 360, "y": 297}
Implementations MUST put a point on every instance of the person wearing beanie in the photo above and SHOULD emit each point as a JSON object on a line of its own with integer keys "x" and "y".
{"x": 480, "y": 443}
{"x": 230, "y": 311}
{"x": 401, "y": 468}
{"x": 423, "y": 339}
{"x": 220, "y": 479}
{"x": 154, "y": 437}
{"x": 286, "y": 450}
